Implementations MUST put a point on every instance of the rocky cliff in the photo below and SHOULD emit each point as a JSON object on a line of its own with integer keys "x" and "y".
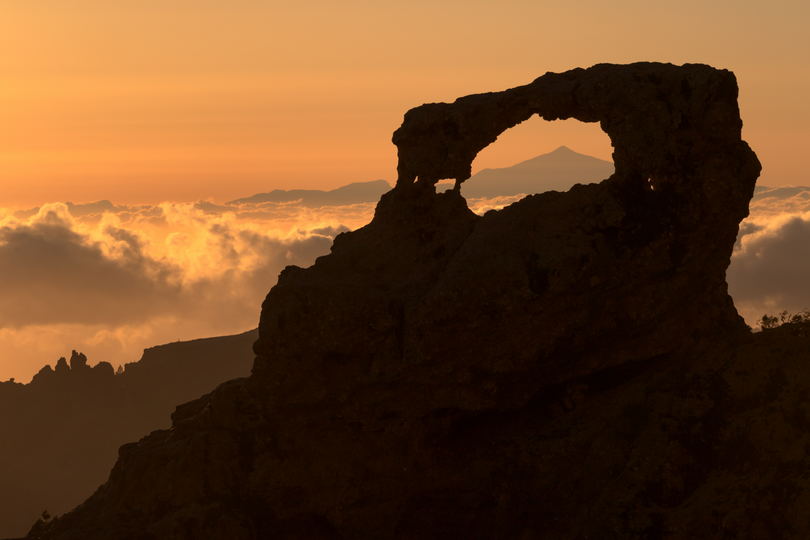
{"x": 61, "y": 432}
{"x": 569, "y": 366}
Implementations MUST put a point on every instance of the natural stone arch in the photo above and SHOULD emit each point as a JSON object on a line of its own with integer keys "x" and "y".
{"x": 663, "y": 120}
{"x": 432, "y": 325}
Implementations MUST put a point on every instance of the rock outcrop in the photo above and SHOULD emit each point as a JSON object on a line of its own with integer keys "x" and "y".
{"x": 61, "y": 432}
{"x": 569, "y": 366}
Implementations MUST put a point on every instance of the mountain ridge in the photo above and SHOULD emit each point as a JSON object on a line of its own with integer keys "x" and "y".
{"x": 561, "y": 151}
{"x": 557, "y": 170}
{"x": 62, "y": 430}
{"x": 487, "y": 182}
{"x": 356, "y": 192}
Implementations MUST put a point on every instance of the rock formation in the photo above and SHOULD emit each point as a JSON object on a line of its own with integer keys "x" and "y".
{"x": 570, "y": 366}
{"x": 61, "y": 432}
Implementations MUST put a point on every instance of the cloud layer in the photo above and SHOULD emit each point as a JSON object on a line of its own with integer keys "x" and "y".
{"x": 115, "y": 281}
{"x": 770, "y": 267}
{"x": 111, "y": 280}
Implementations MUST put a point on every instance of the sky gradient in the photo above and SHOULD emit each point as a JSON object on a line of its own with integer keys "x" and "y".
{"x": 145, "y": 101}
{"x": 156, "y": 104}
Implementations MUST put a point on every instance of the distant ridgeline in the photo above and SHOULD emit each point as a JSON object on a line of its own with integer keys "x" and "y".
{"x": 62, "y": 431}
{"x": 358, "y": 192}
{"x": 558, "y": 170}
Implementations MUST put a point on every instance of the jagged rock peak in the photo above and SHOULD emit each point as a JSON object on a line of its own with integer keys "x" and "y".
{"x": 77, "y": 361}
{"x": 62, "y": 366}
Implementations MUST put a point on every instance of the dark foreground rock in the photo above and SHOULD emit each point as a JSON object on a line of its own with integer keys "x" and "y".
{"x": 570, "y": 366}
{"x": 61, "y": 432}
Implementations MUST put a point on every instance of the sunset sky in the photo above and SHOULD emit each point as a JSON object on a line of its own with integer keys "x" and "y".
{"x": 139, "y": 140}
{"x": 153, "y": 100}
{"x": 156, "y": 104}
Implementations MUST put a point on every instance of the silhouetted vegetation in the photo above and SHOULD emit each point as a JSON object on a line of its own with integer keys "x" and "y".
{"x": 785, "y": 317}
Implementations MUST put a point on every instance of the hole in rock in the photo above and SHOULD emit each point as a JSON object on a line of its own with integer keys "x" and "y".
{"x": 537, "y": 156}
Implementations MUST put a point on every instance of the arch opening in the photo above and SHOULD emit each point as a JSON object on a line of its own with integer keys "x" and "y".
{"x": 537, "y": 156}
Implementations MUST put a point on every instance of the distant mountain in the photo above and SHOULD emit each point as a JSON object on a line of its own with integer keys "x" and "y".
{"x": 557, "y": 170}
{"x": 77, "y": 210}
{"x": 358, "y": 192}
{"x": 61, "y": 433}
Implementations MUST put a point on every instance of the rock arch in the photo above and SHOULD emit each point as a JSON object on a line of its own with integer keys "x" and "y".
{"x": 664, "y": 122}
{"x": 425, "y": 356}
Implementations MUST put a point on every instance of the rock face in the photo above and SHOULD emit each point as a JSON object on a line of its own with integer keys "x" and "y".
{"x": 61, "y": 432}
{"x": 569, "y": 366}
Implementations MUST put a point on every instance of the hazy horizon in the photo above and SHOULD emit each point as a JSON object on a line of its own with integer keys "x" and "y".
{"x": 226, "y": 101}
{"x": 112, "y": 280}
{"x": 223, "y": 100}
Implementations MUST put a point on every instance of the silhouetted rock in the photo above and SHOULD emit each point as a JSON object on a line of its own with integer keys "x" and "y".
{"x": 78, "y": 361}
{"x": 568, "y": 367}
{"x": 103, "y": 369}
{"x": 43, "y": 374}
{"x": 61, "y": 432}
{"x": 61, "y": 366}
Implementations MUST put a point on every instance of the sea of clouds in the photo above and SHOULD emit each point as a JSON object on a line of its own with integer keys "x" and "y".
{"x": 770, "y": 266}
{"x": 111, "y": 280}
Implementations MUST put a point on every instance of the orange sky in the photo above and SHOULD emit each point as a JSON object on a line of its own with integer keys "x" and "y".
{"x": 149, "y": 100}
